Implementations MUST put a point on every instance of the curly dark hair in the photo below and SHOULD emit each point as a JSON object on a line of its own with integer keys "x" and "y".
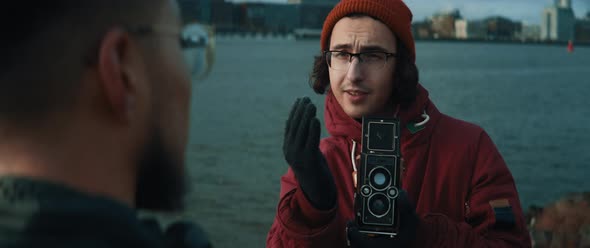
{"x": 405, "y": 77}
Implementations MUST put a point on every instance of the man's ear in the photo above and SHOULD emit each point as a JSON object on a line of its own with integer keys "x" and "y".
{"x": 115, "y": 75}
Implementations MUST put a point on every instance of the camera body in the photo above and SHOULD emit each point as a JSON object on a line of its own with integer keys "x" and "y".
{"x": 378, "y": 177}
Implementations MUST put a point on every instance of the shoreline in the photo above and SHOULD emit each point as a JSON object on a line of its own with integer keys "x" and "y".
{"x": 521, "y": 42}
{"x": 295, "y": 37}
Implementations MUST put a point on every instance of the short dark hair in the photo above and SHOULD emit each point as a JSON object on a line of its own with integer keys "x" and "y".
{"x": 44, "y": 47}
{"x": 405, "y": 78}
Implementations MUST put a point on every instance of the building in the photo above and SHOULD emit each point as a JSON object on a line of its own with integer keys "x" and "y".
{"x": 558, "y": 22}
{"x": 266, "y": 17}
{"x": 563, "y": 3}
{"x": 318, "y": 2}
{"x": 422, "y": 29}
{"x": 222, "y": 16}
{"x": 312, "y": 13}
{"x": 501, "y": 28}
{"x": 530, "y": 33}
{"x": 196, "y": 11}
{"x": 491, "y": 28}
{"x": 443, "y": 24}
{"x": 473, "y": 30}
{"x": 461, "y": 31}
{"x": 281, "y": 18}
{"x": 582, "y": 30}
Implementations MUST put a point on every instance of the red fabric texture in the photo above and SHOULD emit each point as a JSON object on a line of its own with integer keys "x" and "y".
{"x": 453, "y": 172}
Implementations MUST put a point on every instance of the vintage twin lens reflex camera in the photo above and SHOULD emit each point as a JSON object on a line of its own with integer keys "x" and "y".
{"x": 378, "y": 177}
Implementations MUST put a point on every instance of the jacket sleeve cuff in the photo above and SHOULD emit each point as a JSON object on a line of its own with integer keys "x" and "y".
{"x": 300, "y": 218}
{"x": 311, "y": 215}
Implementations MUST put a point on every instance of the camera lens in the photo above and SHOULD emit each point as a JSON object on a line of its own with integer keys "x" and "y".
{"x": 379, "y": 205}
{"x": 380, "y": 178}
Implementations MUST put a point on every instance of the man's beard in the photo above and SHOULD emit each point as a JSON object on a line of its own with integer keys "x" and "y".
{"x": 161, "y": 183}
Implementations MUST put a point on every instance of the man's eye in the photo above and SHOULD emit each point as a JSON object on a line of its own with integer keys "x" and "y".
{"x": 373, "y": 56}
{"x": 340, "y": 55}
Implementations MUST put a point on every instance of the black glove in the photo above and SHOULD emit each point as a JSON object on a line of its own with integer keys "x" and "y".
{"x": 302, "y": 151}
{"x": 407, "y": 233}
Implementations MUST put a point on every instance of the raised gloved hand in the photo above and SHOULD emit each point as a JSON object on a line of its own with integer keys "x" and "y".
{"x": 408, "y": 223}
{"x": 301, "y": 148}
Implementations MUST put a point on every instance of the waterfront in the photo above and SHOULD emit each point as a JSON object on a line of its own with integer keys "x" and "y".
{"x": 532, "y": 100}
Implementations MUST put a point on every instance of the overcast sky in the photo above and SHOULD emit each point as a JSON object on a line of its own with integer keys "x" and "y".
{"x": 523, "y": 10}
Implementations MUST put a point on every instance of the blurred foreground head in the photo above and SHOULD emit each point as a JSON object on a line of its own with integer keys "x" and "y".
{"x": 95, "y": 94}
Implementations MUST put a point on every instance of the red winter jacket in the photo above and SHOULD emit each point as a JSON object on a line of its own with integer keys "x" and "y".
{"x": 454, "y": 175}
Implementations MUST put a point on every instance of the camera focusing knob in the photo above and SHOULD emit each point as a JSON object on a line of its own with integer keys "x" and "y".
{"x": 366, "y": 191}
{"x": 393, "y": 192}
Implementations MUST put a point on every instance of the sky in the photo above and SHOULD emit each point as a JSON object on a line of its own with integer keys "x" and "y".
{"x": 528, "y": 11}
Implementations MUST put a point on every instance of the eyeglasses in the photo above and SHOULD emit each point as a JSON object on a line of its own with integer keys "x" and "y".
{"x": 197, "y": 43}
{"x": 341, "y": 60}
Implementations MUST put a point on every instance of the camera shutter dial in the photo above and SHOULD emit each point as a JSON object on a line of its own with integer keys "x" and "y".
{"x": 366, "y": 191}
{"x": 393, "y": 192}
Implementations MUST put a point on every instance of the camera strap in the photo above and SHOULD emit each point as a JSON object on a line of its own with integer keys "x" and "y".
{"x": 415, "y": 127}
{"x": 353, "y": 159}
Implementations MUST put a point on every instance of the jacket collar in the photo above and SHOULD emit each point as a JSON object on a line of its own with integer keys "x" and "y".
{"x": 339, "y": 124}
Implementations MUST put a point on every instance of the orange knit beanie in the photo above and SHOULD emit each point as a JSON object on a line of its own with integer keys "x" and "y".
{"x": 394, "y": 13}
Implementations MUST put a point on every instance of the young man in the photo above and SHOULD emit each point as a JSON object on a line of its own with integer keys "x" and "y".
{"x": 459, "y": 191}
{"x": 94, "y": 107}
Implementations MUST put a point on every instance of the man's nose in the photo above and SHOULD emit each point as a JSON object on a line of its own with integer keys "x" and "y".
{"x": 355, "y": 72}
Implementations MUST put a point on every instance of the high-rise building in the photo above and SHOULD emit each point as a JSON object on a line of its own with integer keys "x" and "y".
{"x": 583, "y": 29}
{"x": 566, "y": 4}
{"x": 558, "y": 22}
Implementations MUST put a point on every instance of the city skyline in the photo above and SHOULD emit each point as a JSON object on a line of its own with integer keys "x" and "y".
{"x": 518, "y": 10}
